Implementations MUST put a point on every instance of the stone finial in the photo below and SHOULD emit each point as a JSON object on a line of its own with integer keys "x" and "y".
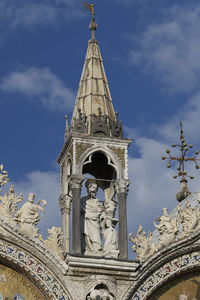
{"x": 8, "y": 203}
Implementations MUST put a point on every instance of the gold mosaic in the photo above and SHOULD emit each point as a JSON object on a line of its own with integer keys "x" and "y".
{"x": 188, "y": 289}
{"x": 14, "y": 286}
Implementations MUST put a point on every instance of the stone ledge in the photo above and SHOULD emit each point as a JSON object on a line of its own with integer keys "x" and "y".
{"x": 102, "y": 263}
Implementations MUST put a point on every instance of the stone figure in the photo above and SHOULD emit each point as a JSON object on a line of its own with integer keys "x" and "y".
{"x": 110, "y": 248}
{"x": 28, "y": 216}
{"x": 91, "y": 210}
{"x": 167, "y": 228}
{"x": 189, "y": 218}
{"x": 100, "y": 294}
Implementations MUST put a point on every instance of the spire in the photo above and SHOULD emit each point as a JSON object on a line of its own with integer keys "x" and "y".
{"x": 93, "y": 111}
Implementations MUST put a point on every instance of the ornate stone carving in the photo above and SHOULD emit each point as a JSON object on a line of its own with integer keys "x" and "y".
{"x": 189, "y": 219}
{"x": 3, "y": 176}
{"x": 65, "y": 202}
{"x": 120, "y": 152}
{"x": 122, "y": 186}
{"x": 142, "y": 244}
{"x": 28, "y": 216}
{"x": 167, "y": 228}
{"x": 76, "y": 181}
{"x": 8, "y": 204}
{"x": 100, "y": 294}
{"x": 80, "y": 148}
{"x": 55, "y": 241}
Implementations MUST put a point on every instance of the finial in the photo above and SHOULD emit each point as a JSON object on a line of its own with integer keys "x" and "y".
{"x": 66, "y": 127}
{"x": 93, "y": 24}
{"x": 183, "y": 147}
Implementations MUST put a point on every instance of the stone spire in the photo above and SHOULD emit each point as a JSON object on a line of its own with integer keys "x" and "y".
{"x": 93, "y": 111}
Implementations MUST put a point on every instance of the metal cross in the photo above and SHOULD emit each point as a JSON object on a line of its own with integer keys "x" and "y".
{"x": 184, "y": 147}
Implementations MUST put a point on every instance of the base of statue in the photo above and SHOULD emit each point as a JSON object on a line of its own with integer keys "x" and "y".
{"x": 111, "y": 253}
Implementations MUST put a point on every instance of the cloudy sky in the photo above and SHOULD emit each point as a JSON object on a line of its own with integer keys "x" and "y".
{"x": 152, "y": 60}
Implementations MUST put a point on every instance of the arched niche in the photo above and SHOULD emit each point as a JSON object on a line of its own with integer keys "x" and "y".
{"x": 101, "y": 166}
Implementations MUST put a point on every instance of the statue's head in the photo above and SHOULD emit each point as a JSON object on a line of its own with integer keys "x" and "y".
{"x": 92, "y": 186}
{"x": 165, "y": 211}
{"x": 31, "y": 197}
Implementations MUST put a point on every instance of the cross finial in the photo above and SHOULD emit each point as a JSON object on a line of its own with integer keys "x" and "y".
{"x": 182, "y": 159}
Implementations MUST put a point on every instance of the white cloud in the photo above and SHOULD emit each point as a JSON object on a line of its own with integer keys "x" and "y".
{"x": 22, "y": 13}
{"x": 39, "y": 84}
{"x": 170, "y": 49}
{"x": 45, "y": 185}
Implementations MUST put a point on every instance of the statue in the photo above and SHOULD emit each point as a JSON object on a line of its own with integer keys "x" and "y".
{"x": 188, "y": 217}
{"x": 28, "y": 216}
{"x": 167, "y": 228}
{"x": 91, "y": 211}
{"x": 110, "y": 248}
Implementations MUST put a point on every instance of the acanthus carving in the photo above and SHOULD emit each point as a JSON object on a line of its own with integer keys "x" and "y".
{"x": 55, "y": 240}
{"x": 8, "y": 204}
{"x": 185, "y": 222}
{"x": 3, "y": 176}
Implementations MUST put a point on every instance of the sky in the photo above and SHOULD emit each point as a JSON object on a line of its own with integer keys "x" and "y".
{"x": 152, "y": 61}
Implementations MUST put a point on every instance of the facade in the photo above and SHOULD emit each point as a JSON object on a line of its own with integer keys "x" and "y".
{"x": 89, "y": 261}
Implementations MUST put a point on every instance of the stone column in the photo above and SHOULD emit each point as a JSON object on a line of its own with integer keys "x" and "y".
{"x": 122, "y": 192}
{"x": 65, "y": 206}
{"x": 75, "y": 186}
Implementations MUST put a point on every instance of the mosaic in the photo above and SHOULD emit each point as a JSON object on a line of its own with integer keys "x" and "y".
{"x": 14, "y": 286}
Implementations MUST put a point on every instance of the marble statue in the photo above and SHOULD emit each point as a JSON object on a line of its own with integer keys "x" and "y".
{"x": 167, "y": 228}
{"x": 110, "y": 248}
{"x": 91, "y": 211}
{"x": 28, "y": 216}
{"x": 189, "y": 218}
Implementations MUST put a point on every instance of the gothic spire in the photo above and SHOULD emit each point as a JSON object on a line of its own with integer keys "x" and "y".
{"x": 93, "y": 111}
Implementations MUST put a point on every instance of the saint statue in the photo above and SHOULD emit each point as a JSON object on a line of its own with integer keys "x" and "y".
{"x": 110, "y": 237}
{"x": 28, "y": 216}
{"x": 91, "y": 211}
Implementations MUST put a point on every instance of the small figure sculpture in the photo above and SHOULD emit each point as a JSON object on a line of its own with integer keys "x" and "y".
{"x": 188, "y": 217}
{"x": 91, "y": 210}
{"x": 28, "y": 216}
{"x": 110, "y": 248}
{"x": 167, "y": 228}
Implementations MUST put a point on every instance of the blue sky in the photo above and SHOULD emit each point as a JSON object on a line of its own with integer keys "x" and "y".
{"x": 152, "y": 60}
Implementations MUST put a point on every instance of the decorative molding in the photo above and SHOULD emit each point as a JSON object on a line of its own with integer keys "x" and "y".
{"x": 121, "y": 153}
{"x": 80, "y": 148}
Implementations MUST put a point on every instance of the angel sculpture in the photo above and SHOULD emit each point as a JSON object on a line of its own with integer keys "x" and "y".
{"x": 167, "y": 227}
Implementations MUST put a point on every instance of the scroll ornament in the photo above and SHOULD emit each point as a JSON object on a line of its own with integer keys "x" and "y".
{"x": 170, "y": 229}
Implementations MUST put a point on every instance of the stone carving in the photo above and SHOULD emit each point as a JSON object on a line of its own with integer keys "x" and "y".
{"x": 110, "y": 248}
{"x": 189, "y": 218}
{"x": 142, "y": 244}
{"x": 28, "y": 216}
{"x": 8, "y": 204}
{"x": 91, "y": 210}
{"x": 55, "y": 240}
{"x": 3, "y": 176}
{"x": 100, "y": 294}
{"x": 167, "y": 228}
